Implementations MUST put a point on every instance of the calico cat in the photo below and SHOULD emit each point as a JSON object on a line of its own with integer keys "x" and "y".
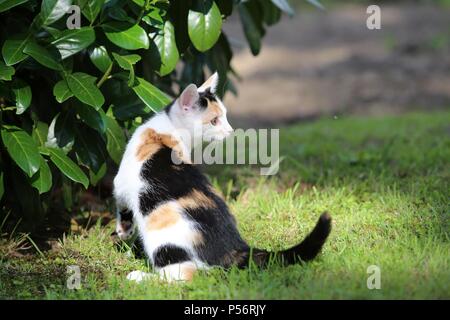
{"x": 184, "y": 224}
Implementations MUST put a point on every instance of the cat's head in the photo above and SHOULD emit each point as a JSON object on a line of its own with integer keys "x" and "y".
{"x": 200, "y": 108}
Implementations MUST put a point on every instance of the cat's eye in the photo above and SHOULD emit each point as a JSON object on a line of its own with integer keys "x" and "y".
{"x": 214, "y": 121}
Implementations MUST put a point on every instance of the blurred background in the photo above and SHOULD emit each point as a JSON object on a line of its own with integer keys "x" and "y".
{"x": 328, "y": 63}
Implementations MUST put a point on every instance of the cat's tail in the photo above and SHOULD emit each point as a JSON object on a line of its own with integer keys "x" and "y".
{"x": 306, "y": 250}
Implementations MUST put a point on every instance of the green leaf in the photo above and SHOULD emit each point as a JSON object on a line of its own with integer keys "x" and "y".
{"x": 271, "y": 13}
{"x": 91, "y": 9}
{"x": 2, "y": 186}
{"x": 42, "y": 180}
{"x": 204, "y": 24}
{"x": 64, "y": 128}
{"x": 8, "y": 4}
{"x": 73, "y": 41}
{"x": 125, "y": 103}
{"x": 22, "y": 93}
{"x": 317, "y": 4}
{"x": 42, "y": 55}
{"x": 68, "y": 167}
{"x": 61, "y": 131}
{"x": 153, "y": 18}
{"x": 225, "y": 7}
{"x": 39, "y": 133}
{"x": 167, "y": 49}
{"x": 91, "y": 117}
{"x": 129, "y": 107}
{"x": 100, "y": 58}
{"x": 53, "y": 10}
{"x": 117, "y": 13}
{"x": 61, "y": 91}
{"x": 285, "y": 7}
{"x": 127, "y": 36}
{"x": 127, "y": 62}
{"x": 96, "y": 177}
{"x": 53, "y": 32}
{"x": 22, "y": 149}
{"x": 179, "y": 12}
{"x": 12, "y": 51}
{"x": 115, "y": 139}
{"x": 219, "y": 58}
{"x": 89, "y": 148}
{"x": 154, "y": 98}
{"x": 83, "y": 87}
{"x": 252, "y": 30}
{"x": 6, "y": 72}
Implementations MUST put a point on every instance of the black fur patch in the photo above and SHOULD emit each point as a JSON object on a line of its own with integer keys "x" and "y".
{"x": 138, "y": 249}
{"x": 126, "y": 215}
{"x": 220, "y": 236}
{"x": 169, "y": 254}
{"x": 216, "y": 224}
{"x": 168, "y": 183}
{"x": 206, "y": 96}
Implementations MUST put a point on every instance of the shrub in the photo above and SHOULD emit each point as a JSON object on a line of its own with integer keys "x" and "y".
{"x": 69, "y": 97}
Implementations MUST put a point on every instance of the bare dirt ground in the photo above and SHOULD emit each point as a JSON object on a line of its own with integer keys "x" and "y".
{"x": 329, "y": 63}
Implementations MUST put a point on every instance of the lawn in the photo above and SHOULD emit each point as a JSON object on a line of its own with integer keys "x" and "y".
{"x": 384, "y": 180}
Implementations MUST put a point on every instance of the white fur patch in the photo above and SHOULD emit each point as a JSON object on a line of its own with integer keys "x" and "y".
{"x": 139, "y": 276}
{"x": 178, "y": 272}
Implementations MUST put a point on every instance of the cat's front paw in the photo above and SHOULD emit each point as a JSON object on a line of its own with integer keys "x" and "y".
{"x": 138, "y": 276}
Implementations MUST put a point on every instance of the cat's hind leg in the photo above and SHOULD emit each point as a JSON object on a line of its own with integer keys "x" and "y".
{"x": 172, "y": 263}
{"x": 183, "y": 271}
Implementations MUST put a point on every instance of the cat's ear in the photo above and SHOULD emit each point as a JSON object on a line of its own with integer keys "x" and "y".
{"x": 188, "y": 97}
{"x": 211, "y": 83}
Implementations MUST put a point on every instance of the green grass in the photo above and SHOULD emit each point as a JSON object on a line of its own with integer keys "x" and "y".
{"x": 384, "y": 180}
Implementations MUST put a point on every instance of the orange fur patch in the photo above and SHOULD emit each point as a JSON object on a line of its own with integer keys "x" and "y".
{"x": 162, "y": 217}
{"x": 196, "y": 199}
{"x": 151, "y": 142}
{"x": 213, "y": 110}
{"x": 188, "y": 272}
